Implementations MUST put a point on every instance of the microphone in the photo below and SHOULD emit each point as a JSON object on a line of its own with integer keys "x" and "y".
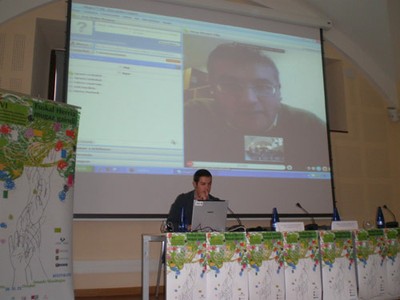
{"x": 239, "y": 226}
{"x": 393, "y": 224}
{"x": 313, "y": 225}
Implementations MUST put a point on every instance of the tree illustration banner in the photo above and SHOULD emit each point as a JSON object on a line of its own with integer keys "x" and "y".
{"x": 37, "y": 163}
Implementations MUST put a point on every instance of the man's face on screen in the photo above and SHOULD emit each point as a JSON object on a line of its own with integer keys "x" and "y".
{"x": 202, "y": 188}
{"x": 248, "y": 95}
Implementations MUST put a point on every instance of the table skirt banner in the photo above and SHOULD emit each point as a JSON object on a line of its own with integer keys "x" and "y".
{"x": 302, "y": 265}
{"x": 371, "y": 253}
{"x": 227, "y": 276}
{"x": 37, "y": 163}
{"x": 206, "y": 266}
{"x": 266, "y": 259}
{"x": 393, "y": 262}
{"x": 186, "y": 266}
{"x": 338, "y": 265}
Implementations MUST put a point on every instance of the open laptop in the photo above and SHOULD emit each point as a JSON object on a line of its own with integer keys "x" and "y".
{"x": 209, "y": 215}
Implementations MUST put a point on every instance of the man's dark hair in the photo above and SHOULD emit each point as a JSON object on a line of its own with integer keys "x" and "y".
{"x": 201, "y": 173}
{"x": 242, "y": 54}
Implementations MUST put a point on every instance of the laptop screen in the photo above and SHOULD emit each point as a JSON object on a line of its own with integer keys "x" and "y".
{"x": 209, "y": 215}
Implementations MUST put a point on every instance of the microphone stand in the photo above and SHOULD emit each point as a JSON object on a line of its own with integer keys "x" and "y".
{"x": 393, "y": 224}
{"x": 239, "y": 226}
{"x": 313, "y": 225}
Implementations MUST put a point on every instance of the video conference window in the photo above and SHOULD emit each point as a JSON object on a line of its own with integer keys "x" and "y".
{"x": 241, "y": 107}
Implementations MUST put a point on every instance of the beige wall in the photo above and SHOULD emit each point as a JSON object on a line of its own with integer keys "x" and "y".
{"x": 366, "y": 161}
{"x": 17, "y": 43}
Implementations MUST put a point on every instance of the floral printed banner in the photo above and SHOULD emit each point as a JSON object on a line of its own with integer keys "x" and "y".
{"x": 284, "y": 265}
{"x": 338, "y": 266}
{"x": 266, "y": 259}
{"x": 302, "y": 268}
{"x": 371, "y": 252}
{"x": 186, "y": 265}
{"x": 227, "y": 262}
{"x": 37, "y": 163}
{"x": 206, "y": 266}
{"x": 393, "y": 262}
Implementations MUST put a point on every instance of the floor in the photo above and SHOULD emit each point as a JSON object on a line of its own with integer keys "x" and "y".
{"x": 109, "y": 298}
{"x": 137, "y": 297}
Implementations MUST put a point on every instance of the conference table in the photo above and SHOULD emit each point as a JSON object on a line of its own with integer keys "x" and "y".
{"x": 328, "y": 264}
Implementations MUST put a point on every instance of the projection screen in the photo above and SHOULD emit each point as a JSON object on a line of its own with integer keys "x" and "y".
{"x": 137, "y": 67}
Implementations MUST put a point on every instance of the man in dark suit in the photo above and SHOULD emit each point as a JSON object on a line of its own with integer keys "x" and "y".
{"x": 202, "y": 182}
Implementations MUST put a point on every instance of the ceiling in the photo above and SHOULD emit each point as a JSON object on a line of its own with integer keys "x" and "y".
{"x": 372, "y": 25}
{"x": 365, "y": 30}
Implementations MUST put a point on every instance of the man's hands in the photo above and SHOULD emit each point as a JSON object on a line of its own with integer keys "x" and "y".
{"x": 202, "y": 195}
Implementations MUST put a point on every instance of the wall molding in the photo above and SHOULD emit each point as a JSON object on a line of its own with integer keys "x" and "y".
{"x": 129, "y": 291}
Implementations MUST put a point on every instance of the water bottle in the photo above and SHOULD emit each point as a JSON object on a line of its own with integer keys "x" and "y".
{"x": 380, "y": 220}
{"x": 274, "y": 219}
{"x": 182, "y": 226}
{"x": 335, "y": 216}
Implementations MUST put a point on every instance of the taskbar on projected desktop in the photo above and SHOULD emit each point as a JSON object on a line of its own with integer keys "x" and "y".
{"x": 224, "y": 172}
